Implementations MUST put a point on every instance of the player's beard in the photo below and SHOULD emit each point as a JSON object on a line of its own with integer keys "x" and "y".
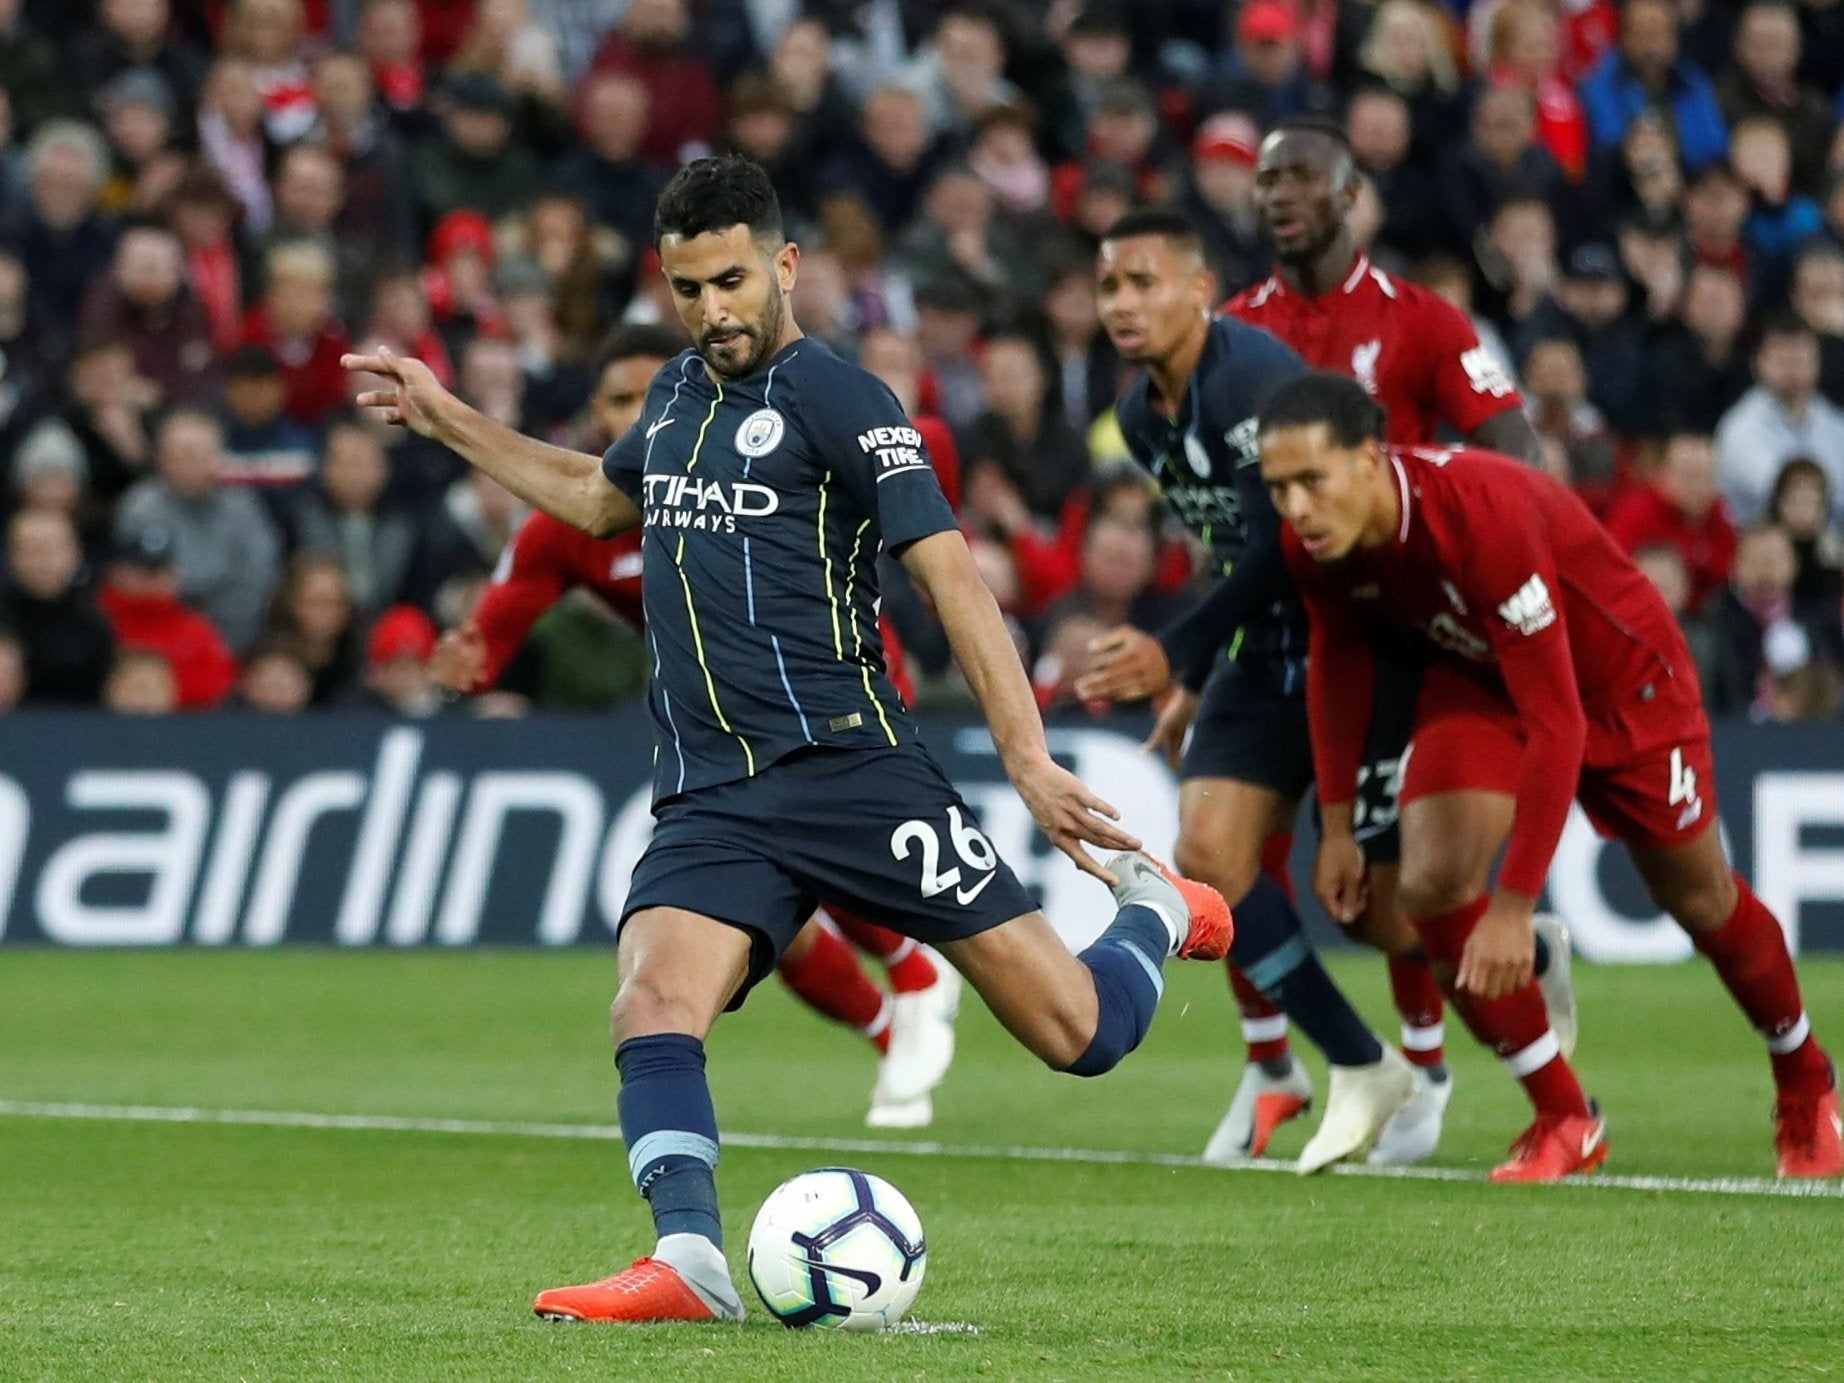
{"x": 761, "y": 337}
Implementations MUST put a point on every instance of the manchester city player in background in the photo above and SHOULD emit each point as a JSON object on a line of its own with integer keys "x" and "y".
{"x": 769, "y": 474}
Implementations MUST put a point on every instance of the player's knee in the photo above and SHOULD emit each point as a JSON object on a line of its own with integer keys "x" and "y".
{"x": 1431, "y": 887}
{"x": 644, "y": 1005}
{"x": 1226, "y": 870}
{"x": 1701, "y": 908}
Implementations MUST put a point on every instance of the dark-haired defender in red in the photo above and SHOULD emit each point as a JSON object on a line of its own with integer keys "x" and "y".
{"x": 1556, "y": 673}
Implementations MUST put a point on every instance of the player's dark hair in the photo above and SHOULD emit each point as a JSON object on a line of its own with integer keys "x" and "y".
{"x": 714, "y": 194}
{"x": 637, "y": 340}
{"x": 1163, "y": 221}
{"x": 1350, "y": 415}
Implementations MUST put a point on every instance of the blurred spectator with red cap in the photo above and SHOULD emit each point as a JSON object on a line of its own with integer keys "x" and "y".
{"x": 458, "y": 280}
{"x": 397, "y": 654}
{"x": 1219, "y": 197}
{"x": 1265, "y": 73}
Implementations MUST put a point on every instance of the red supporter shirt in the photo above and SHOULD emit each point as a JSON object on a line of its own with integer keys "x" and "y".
{"x": 548, "y": 558}
{"x": 1507, "y": 575}
{"x": 1411, "y": 349}
{"x": 203, "y": 668}
{"x": 1643, "y": 517}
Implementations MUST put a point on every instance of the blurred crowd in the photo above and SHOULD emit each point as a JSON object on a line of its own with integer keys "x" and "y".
{"x": 203, "y": 203}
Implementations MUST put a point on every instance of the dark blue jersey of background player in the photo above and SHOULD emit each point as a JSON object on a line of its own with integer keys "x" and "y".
{"x": 766, "y": 500}
{"x": 1205, "y": 458}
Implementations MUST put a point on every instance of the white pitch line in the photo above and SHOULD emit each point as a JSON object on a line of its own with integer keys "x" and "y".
{"x": 493, "y": 1128}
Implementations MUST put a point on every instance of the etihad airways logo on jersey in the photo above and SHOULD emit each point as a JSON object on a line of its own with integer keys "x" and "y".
{"x": 896, "y": 449}
{"x": 1201, "y": 507}
{"x": 1530, "y": 610}
{"x": 705, "y": 506}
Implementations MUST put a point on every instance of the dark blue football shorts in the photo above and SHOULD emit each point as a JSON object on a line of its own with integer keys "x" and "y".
{"x": 880, "y": 832}
{"x": 1249, "y": 730}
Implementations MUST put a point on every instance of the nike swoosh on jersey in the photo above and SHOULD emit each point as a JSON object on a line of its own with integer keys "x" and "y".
{"x": 662, "y": 424}
{"x": 964, "y": 896}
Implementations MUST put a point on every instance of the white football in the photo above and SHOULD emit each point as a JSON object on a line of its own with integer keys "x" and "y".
{"x": 837, "y": 1249}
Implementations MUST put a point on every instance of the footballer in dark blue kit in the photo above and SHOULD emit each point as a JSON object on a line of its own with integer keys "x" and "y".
{"x": 1190, "y": 417}
{"x": 767, "y": 476}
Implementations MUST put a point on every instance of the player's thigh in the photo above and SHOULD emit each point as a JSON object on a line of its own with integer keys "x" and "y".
{"x": 1661, "y": 804}
{"x": 678, "y": 971}
{"x": 1223, "y": 824}
{"x": 1458, "y": 787}
{"x": 708, "y": 889}
{"x": 1041, "y": 993}
{"x": 1382, "y": 924}
{"x": 1247, "y": 765}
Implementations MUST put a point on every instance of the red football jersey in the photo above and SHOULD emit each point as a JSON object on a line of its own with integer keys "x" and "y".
{"x": 1505, "y": 572}
{"x": 1411, "y": 349}
{"x": 547, "y": 558}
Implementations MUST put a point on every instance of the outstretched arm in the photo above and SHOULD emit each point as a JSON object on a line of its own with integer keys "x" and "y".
{"x": 568, "y": 485}
{"x": 1063, "y": 807}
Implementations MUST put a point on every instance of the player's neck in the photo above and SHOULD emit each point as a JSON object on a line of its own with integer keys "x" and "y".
{"x": 1171, "y": 377}
{"x": 1386, "y": 511}
{"x": 1316, "y": 277}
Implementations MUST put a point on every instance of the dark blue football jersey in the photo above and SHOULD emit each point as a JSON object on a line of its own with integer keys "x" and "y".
{"x": 765, "y": 503}
{"x": 1206, "y": 460}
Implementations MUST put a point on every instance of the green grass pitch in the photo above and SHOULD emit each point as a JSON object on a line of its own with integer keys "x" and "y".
{"x": 161, "y": 1251}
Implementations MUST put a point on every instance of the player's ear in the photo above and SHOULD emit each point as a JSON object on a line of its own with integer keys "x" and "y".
{"x": 787, "y": 266}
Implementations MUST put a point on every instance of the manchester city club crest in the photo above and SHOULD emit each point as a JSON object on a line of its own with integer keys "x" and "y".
{"x": 760, "y": 433}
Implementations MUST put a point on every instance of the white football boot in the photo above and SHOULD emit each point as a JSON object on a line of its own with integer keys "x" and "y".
{"x": 1262, "y": 1103}
{"x": 1556, "y": 983}
{"x": 921, "y": 1050}
{"x": 1359, "y": 1101}
{"x": 1414, "y": 1132}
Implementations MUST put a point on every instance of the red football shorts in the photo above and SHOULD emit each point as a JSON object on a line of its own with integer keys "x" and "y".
{"x": 1648, "y": 781}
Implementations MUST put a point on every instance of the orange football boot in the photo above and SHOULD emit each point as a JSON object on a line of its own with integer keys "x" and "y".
{"x": 648, "y": 1291}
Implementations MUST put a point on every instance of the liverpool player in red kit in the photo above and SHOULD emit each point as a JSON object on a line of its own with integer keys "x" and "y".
{"x": 912, "y": 1027}
{"x": 1419, "y": 356}
{"x": 1555, "y": 673}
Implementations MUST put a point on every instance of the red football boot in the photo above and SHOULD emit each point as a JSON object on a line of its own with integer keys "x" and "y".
{"x": 1554, "y": 1148}
{"x": 648, "y": 1291}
